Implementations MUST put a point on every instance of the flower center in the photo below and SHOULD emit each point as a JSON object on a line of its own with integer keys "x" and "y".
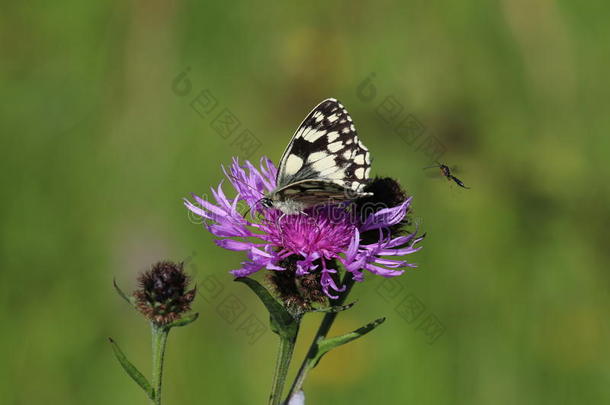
{"x": 326, "y": 232}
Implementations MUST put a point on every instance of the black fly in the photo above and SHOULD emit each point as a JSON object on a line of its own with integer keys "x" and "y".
{"x": 445, "y": 171}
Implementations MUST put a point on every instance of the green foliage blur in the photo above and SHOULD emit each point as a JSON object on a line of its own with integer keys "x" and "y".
{"x": 99, "y": 148}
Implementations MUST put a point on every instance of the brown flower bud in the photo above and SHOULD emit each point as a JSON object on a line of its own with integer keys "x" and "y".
{"x": 163, "y": 296}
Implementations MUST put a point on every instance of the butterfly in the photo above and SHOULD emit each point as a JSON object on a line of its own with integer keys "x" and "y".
{"x": 324, "y": 161}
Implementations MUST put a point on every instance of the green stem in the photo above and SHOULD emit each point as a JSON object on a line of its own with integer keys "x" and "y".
{"x": 159, "y": 341}
{"x": 284, "y": 355}
{"x": 323, "y": 330}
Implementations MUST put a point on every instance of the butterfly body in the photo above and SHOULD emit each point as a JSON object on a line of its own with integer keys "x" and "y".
{"x": 324, "y": 162}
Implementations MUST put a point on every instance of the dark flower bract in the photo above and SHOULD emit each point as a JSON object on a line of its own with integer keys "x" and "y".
{"x": 163, "y": 296}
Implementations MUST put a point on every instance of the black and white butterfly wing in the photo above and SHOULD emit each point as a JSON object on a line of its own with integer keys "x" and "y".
{"x": 325, "y": 158}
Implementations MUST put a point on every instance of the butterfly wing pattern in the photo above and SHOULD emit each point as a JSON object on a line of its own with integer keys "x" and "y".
{"x": 324, "y": 160}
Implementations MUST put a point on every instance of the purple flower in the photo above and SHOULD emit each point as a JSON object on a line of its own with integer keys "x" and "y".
{"x": 366, "y": 236}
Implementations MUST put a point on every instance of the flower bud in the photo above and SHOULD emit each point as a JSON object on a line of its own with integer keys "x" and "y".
{"x": 163, "y": 297}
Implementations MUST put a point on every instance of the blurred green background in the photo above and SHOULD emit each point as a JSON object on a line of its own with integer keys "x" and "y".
{"x": 98, "y": 151}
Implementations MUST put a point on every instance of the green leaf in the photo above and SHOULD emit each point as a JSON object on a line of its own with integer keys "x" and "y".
{"x": 328, "y": 344}
{"x": 126, "y": 297}
{"x": 184, "y": 321}
{"x": 133, "y": 372}
{"x": 282, "y": 322}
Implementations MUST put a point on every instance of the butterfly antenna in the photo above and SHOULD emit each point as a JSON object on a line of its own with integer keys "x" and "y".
{"x": 255, "y": 207}
{"x": 240, "y": 181}
{"x": 243, "y": 182}
{"x": 246, "y": 212}
{"x": 249, "y": 209}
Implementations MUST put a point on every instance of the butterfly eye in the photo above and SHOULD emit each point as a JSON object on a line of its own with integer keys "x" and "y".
{"x": 266, "y": 202}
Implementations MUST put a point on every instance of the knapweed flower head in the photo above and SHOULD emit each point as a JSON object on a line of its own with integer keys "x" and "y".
{"x": 366, "y": 235}
{"x": 163, "y": 296}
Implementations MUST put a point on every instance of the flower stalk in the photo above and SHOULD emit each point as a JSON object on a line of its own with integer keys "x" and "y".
{"x": 323, "y": 329}
{"x": 282, "y": 365}
{"x": 159, "y": 342}
{"x": 163, "y": 298}
{"x": 285, "y": 324}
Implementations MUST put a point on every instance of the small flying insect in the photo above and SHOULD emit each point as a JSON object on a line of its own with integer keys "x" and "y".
{"x": 446, "y": 172}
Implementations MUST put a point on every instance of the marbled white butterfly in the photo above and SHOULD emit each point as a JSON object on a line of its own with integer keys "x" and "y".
{"x": 324, "y": 161}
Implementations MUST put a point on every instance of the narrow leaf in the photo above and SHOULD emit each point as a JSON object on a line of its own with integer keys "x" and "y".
{"x": 184, "y": 321}
{"x": 122, "y": 294}
{"x": 133, "y": 372}
{"x": 282, "y": 322}
{"x": 328, "y": 344}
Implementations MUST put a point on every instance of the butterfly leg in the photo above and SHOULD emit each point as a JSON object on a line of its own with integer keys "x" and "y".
{"x": 311, "y": 219}
{"x": 278, "y": 223}
{"x": 279, "y": 220}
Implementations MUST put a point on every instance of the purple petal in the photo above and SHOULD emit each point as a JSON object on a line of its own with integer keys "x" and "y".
{"x": 306, "y": 265}
{"x": 275, "y": 267}
{"x": 380, "y": 271}
{"x": 393, "y": 264}
{"x": 398, "y": 252}
{"x": 220, "y": 197}
{"x": 352, "y": 249}
{"x": 228, "y": 230}
{"x": 386, "y": 217}
{"x": 196, "y": 210}
{"x": 247, "y": 269}
{"x": 327, "y": 281}
{"x": 214, "y": 209}
{"x": 231, "y": 244}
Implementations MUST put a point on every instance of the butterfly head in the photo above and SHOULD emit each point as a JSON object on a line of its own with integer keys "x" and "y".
{"x": 266, "y": 202}
{"x": 286, "y": 206}
{"x": 273, "y": 200}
